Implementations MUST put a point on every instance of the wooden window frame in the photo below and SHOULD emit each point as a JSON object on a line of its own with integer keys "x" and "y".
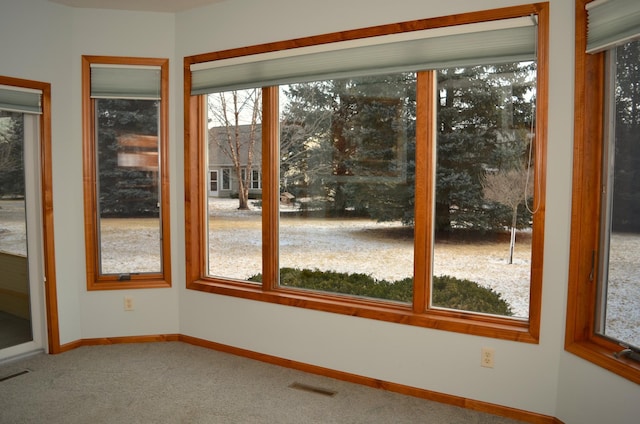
{"x": 590, "y": 97}
{"x": 96, "y": 280}
{"x": 419, "y": 313}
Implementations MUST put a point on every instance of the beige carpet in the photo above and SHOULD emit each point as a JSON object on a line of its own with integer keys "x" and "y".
{"x": 176, "y": 382}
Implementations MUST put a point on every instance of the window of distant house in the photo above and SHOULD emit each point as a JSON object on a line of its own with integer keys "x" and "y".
{"x": 394, "y": 172}
{"x": 603, "y": 324}
{"x": 214, "y": 181}
{"x": 125, "y": 172}
{"x": 226, "y": 179}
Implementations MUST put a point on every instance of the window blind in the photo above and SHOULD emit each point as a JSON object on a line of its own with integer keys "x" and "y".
{"x": 493, "y": 42}
{"x": 23, "y": 100}
{"x": 612, "y": 22}
{"x": 125, "y": 82}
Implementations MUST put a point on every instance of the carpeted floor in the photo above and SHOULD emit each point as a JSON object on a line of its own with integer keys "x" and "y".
{"x": 13, "y": 330}
{"x": 175, "y": 382}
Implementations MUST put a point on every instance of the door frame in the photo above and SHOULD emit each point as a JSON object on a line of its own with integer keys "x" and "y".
{"x": 216, "y": 192}
{"x": 46, "y": 204}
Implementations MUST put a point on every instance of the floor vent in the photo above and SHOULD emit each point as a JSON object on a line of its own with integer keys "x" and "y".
{"x": 16, "y": 374}
{"x": 312, "y": 389}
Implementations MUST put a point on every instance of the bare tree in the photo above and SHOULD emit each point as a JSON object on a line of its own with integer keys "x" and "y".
{"x": 510, "y": 188}
{"x": 7, "y": 160}
{"x": 237, "y": 116}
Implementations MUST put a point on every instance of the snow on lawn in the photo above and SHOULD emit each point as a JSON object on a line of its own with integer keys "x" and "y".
{"x": 382, "y": 250}
{"x": 623, "y": 292}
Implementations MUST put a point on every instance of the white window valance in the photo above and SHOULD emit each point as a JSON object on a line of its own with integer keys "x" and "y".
{"x": 125, "y": 82}
{"x": 507, "y": 40}
{"x": 612, "y": 22}
{"x": 18, "y": 99}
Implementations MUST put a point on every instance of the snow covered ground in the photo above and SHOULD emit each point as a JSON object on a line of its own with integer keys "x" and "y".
{"x": 383, "y": 250}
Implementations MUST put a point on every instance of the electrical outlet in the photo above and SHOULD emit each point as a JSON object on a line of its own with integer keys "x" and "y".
{"x": 486, "y": 359}
{"x": 128, "y": 303}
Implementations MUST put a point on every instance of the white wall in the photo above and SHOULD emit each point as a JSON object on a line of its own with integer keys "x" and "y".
{"x": 139, "y": 34}
{"x": 526, "y": 376}
{"x": 36, "y": 38}
{"x": 429, "y": 359}
{"x": 538, "y": 378}
{"x": 44, "y": 41}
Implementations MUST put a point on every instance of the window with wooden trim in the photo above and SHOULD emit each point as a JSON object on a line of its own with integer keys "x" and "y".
{"x": 604, "y": 292}
{"x": 126, "y": 184}
{"x": 401, "y": 172}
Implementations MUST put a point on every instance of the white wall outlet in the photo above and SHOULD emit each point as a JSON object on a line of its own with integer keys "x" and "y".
{"x": 486, "y": 359}
{"x": 128, "y": 303}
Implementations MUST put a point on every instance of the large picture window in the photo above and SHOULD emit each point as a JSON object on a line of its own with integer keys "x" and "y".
{"x": 125, "y": 166}
{"x": 397, "y": 173}
{"x": 347, "y": 171}
{"x": 604, "y": 294}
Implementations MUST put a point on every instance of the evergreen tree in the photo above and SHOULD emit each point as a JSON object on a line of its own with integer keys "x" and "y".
{"x": 381, "y": 137}
{"x": 626, "y": 190}
{"x": 305, "y": 151}
{"x": 11, "y": 155}
{"x": 125, "y": 190}
{"x": 352, "y": 143}
{"x": 484, "y": 120}
{"x": 340, "y": 142}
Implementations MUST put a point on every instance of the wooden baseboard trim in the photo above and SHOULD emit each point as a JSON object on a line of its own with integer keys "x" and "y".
{"x": 119, "y": 340}
{"x": 68, "y": 346}
{"x": 462, "y": 402}
{"x": 131, "y": 339}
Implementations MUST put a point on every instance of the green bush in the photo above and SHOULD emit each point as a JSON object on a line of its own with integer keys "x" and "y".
{"x": 448, "y": 292}
{"x": 466, "y": 295}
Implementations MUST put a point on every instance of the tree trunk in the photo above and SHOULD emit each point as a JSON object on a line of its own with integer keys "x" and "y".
{"x": 243, "y": 192}
{"x": 512, "y": 244}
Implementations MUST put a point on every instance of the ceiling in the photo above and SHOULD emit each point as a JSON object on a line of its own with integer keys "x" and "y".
{"x": 171, "y": 6}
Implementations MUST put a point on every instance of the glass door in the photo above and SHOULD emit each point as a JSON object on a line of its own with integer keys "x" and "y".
{"x": 21, "y": 294}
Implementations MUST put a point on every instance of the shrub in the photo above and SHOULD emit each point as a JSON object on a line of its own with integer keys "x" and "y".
{"x": 455, "y": 293}
{"x": 448, "y": 292}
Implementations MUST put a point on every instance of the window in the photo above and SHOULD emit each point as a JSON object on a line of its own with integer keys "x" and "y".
{"x": 125, "y": 172}
{"x": 348, "y": 163}
{"x": 604, "y": 296}
{"x": 234, "y": 140}
{"x": 213, "y": 188}
{"x": 373, "y": 166}
{"x": 620, "y": 220}
{"x": 255, "y": 180}
{"x": 226, "y": 179}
